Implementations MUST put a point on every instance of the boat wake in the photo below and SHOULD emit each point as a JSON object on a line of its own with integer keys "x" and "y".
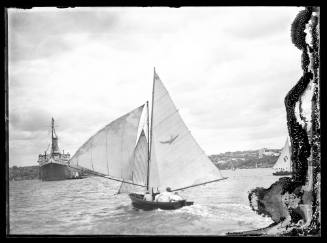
{"x": 124, "y": 207}
{"x": 224, "y": 211}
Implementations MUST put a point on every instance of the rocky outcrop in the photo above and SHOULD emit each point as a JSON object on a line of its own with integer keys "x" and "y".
{"x": 294, "y": 203}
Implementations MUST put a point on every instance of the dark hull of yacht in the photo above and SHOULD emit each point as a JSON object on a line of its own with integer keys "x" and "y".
{"x": 139, "y": 203}
{"x": 282, "y": 173}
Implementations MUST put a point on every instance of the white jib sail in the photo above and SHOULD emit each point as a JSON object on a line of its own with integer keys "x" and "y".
{"x": 138, "y": 167}
{"x": 177, "y": 161}
{"x": 284, "y": 160}
{"x": 110, "y": 150}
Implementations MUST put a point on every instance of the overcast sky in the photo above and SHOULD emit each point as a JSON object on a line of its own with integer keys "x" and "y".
{"x": 227, "y": 69}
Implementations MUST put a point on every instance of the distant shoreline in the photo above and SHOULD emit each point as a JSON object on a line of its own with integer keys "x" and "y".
{"x": 250, "y": 159}
{"x": 225, "y": 161}
{"x": 248, "y": 168}
{"x": 27, "y": 178}
{"x": 23, "y": 173}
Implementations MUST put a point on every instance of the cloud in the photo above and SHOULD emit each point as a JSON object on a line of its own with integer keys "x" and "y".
{"x": 39, "y": 34}
{"x": 31, "y": 120}
{"x": 250, "y": 24}
{"x": 87, "y": 66}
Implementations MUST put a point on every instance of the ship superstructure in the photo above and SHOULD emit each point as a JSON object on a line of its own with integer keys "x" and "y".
{"x": 54, "y": 165}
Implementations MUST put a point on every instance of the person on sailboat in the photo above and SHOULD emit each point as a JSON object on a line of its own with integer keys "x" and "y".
{"x": 154, "y": 194}
{"x": 164, "y": 196}
{"x": 167, "y": 196}
{"x": 175, "y": 197}
{"x": 147, "y": 196}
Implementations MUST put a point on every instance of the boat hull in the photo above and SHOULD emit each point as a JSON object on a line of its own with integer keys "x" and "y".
{"x": 56, "y": 172}
{"x": 139, "y": 203}
{"x": 282, "y": 173}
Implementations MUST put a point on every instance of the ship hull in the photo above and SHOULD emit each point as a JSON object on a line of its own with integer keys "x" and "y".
{"x": 55, "y": 172}
{"x": 139, "y": 203}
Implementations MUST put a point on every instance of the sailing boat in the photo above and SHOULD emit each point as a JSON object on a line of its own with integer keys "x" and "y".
{"x": 233, "y": 166}
{"x": 283, "y": 164}
{"x": 162, "y": 153}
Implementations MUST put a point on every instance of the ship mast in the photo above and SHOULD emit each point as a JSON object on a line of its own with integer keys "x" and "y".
{"x": 52, "y": 127}
{"x": 150, "y": 131}
{"x": 148, "y": 167}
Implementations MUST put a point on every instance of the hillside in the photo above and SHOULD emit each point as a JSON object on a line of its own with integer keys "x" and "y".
{"x": 246, "y": 159}
{"x": 224, "y": 161}
{"x": 23, "y": 173}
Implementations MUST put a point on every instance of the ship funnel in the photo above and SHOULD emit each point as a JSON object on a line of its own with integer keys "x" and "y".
{"x": 55, "y": 147}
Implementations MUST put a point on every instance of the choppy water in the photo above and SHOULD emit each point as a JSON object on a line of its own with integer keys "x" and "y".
{"x": 87, "y": 206}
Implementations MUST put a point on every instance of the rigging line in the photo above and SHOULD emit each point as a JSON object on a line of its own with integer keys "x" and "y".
{"x": 107, "y": 177}
{"x": 199, "y": 184}
{"x": 107, "y": 150}
{"x": 148, "y": 150}
{"x": 127, "y": 182}
{"x": 151, "y": 127}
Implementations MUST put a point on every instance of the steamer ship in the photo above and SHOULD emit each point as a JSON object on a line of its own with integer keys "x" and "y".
{"x": 55, "y": 165}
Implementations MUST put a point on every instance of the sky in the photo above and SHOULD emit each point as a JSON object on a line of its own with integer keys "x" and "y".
{"x": 227, "y": 69}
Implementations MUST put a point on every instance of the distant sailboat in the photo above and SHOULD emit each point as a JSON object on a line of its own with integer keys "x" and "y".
{"x": 233, "y": 166}
{"x": 283, "y": 164}
{"x": 165, "y": 154}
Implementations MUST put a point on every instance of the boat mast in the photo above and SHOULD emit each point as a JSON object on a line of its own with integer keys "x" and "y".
{"x": 52, "y": 127}
{"x": 150, "y": 130}
{"x": 148, "y": 168}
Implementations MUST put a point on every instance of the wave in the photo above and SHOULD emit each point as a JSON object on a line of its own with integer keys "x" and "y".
{"x": 240, "y": 213}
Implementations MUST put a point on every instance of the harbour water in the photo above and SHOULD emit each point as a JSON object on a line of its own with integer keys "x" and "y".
{"x": 89, "y": 206}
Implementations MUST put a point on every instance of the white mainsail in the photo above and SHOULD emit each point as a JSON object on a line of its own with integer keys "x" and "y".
{"x": 111, "y": 149}
{"x": 284, "y": 160}
{"x": 177, "y": 161}
{"x": 138, "y": 166}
